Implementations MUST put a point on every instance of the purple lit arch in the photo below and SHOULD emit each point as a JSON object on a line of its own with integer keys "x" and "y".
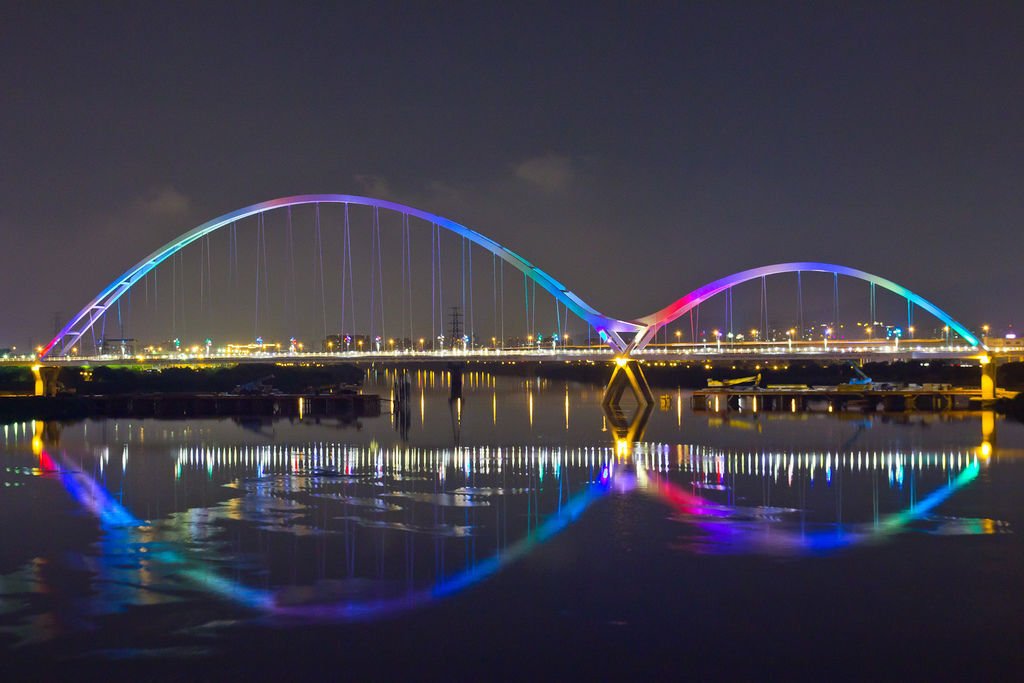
{"x": 94, "y": 310}
{"x": 655, "y": 321}
{"x": 610, "y": 329}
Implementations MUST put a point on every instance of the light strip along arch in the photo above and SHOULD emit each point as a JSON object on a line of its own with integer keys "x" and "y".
{"x": 655, "y": 321}
{"x": 94, "y": 310}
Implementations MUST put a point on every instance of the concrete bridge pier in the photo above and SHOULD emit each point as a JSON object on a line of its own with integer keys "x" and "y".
{"x": 989, "y": 365}
{"x": 46, "y": 379}
{"x": 627, "y": 429}
{"x": 627, "y": 375}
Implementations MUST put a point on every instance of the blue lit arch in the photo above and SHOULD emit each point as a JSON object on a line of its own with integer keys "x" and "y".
{"x": 655, "y": 321}
{"x": 94, "y": 310}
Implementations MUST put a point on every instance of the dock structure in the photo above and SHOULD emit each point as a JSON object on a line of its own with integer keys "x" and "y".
{"x": 832, "y": 399}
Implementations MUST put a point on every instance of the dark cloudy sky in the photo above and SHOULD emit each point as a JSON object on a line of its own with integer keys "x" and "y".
{"x": 634, "y": 150}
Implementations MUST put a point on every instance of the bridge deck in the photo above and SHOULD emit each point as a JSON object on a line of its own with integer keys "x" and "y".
{"x": 682, "y": 353}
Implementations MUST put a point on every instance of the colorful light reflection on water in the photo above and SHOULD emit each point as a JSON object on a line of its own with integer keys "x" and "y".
{"x": 346, "y": 529}
{"x": 276, "y": 478}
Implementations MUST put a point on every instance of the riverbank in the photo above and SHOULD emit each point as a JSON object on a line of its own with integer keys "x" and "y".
{"x": 349, "y": 405}
{"x": 121, "y": 380}
{"x": 298, "y": 378}
{"x": 669, "y": 375}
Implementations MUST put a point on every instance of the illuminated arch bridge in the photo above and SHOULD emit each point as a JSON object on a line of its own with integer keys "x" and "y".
{"x": 623, "y": 336}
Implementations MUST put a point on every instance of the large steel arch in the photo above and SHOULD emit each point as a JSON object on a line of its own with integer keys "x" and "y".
{"x": 94, "y": 310}
{"x": 655, "y": 321}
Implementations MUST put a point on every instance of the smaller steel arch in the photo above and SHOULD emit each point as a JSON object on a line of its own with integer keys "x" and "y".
{"x": 608, "y": 328}
{"x": 655, "y": 321}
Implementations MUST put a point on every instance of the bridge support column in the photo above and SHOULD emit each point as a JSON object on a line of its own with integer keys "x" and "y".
{"x": 627, "y": 373}
{"x": 988, "y": 378}
{"x": 46, "y": 379}
{"x": 627, "y": 430}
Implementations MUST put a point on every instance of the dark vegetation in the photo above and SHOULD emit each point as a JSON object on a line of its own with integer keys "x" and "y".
{"x": 16, "y": 380}
{"x": 1014, "y": 407}
{"x": 114, "y": 380}
{"x": 126, "y": 380}
{"x": 109, "y": 380}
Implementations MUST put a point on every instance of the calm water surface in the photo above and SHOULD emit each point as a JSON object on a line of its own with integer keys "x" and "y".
{"x": 516, "y": 533}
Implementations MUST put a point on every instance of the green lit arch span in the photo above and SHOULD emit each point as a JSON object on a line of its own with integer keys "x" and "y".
{"x": 655, "y": 321}
{"x": 92, "y": 312}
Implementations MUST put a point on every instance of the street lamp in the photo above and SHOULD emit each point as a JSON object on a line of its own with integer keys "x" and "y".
{"x": 679, "y": 336}
{"x": 718, "y": 339}
{"x": 910, "y": 329}
{"x": 828, "y": 333}
{"x": 945, "y": 330}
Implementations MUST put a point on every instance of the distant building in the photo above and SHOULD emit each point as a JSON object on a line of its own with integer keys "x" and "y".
{"x": 250, "y": 349}
{"x": 338, "y": 343}
{"x": 117, "y": 347}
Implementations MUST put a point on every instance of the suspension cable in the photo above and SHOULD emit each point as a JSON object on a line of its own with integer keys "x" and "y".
{"x": 373, "y": 274}
{"x": 320, "y": 261}
{"x": 290, "y": 235}
{"x": 533, "y": 306}
{"x": 174, "y": 296}
{"x": 472, "y": 322}
{"x": 873, "y": 315}
{"x": 764, "y": 306}
{"x": 433, "y": 279}
{"x": 440, "y": 281}
{"x": 800, "y": 302}
{"x": 462, "y": 266}
{"x": 256, "y": 327}
{"x": 380, "y": 273}
{"x": 501, "y": 271}
{"x": 408, "y": 239}
{"x": 526, "y": 302}
{"x": 835, "y": 301}
{"x": 494, "y": 294}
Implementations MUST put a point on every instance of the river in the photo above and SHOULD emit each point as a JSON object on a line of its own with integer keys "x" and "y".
{"x": 516, "y": 532}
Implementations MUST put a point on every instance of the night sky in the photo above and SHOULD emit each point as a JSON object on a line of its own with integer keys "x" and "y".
{"x": 633, "y": 150}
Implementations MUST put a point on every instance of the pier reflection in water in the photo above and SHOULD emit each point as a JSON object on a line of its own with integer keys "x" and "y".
{"x": 303, "y": 521}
